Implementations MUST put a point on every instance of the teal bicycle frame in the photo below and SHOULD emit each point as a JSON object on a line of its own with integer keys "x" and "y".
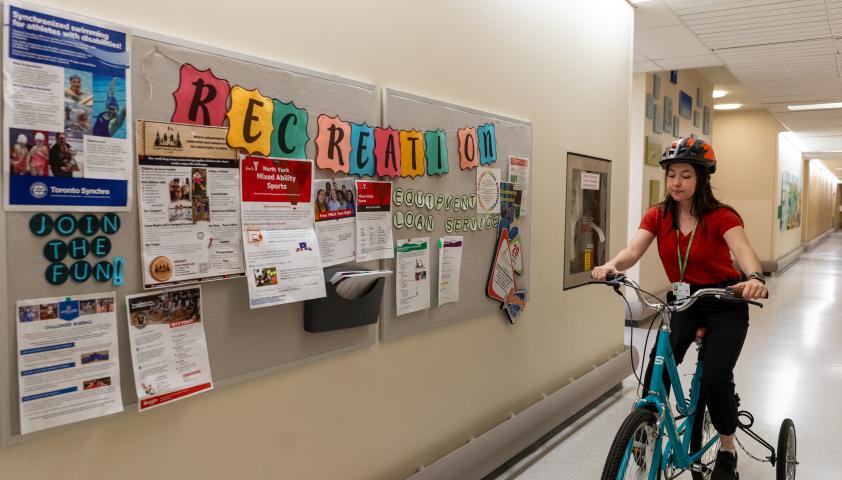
{"x": 658, "y": 398}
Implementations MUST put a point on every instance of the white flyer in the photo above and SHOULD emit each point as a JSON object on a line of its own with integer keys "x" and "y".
{"x": 67, "y": 96}
{"x": 488, "y": 190}
{"x": 283, "y": 262}
{"x": 334, "y": 211}
{"x": 413, "y": 283}
{"x": 189, "y": 192}
{"x": 284, "y": 266}
{"x": 374, "y": 220}
{"x": 519, "y": 175}
{"x": 168, "y": 346}
{"x": 590, "y": 181}
{"x": 68, "y": 365}
{"x": 450, "y": 264}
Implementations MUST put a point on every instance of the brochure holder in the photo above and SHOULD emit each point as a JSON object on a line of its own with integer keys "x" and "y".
{"x": 334, "y": 312}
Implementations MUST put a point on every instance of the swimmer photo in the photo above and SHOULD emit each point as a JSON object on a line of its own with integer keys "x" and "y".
{"x": 109, "y": 107}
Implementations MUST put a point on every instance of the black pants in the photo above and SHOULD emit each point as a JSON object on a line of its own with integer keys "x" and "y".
{"x": 727, "y": 326}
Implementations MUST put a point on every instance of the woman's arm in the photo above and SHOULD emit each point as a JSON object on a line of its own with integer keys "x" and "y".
{"x": 627, "y": 256}
{"x": 738, "y": 244}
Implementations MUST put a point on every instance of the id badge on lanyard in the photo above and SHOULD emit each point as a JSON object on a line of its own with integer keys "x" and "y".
{"x": 681, "y": 289}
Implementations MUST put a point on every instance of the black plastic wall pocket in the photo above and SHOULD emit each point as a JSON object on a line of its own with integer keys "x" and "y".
{"x": 334, "y": 312}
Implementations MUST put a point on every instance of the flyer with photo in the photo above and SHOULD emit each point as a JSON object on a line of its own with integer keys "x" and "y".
{"x": 68, "y": 366}
{"x": 168, "y": 346}
{"x": 519, "y": 175}
{"x": 189, "y": 197}
{"x": 283, "y": 263}
{"x": 413, "y": 282}
{"x": 334, "y": 211}
{"x": 374, "y": 220}
{"x": 67, "y": 98}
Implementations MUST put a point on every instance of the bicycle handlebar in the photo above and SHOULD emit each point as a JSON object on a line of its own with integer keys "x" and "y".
{"x": 726, "y": 294}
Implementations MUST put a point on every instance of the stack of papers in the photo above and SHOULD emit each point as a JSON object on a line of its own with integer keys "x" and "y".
{"x": 352, "y": 284}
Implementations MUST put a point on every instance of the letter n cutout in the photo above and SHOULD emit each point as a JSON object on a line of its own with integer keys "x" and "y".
{"x": 487, "y": 141}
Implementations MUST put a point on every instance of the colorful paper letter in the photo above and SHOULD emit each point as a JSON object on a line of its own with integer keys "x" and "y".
{"x": 412, "y": 153}
{"x": 487, "y": 144}
{"x": 289, "y": 138}
{"x": 201, "y": 98}
{"x": 468, "y": 154}
{"x": 333, "y": 144}
{"x": 250, "y": 121}
{"x": 362, "y": 150}
{"x": 387, "y": 152}
{"x": 435, "y": 148}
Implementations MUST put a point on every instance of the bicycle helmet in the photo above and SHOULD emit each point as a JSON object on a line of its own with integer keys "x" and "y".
{"x": 690, "y": 150}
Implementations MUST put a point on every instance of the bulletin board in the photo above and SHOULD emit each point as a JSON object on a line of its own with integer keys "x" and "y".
{"x": 242, "y": 343}
{"x": 405, "y": 111}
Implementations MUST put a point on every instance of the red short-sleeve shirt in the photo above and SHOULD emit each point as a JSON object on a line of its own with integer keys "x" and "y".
{"x": 709, "y": 260}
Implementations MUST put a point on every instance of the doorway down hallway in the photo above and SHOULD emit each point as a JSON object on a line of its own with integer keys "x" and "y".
{"x": 790, "y": 367}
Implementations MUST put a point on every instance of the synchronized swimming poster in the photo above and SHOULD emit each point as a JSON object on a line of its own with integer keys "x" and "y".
{"x": 67, "y": 96}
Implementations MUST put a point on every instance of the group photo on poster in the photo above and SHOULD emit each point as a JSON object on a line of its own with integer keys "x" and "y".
{"x": 283, "y": 260}
{"x": 189, "y": 197}
{"x": 335, "y": 209}
{"x": 67, "y": 98}
{"x": 68, "y": 362}
{"x": 168, "y": 345}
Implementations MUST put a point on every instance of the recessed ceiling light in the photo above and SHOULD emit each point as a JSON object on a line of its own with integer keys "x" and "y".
{"x": 727, "y": 106}
{"x": 719, "y": 93}
{"x": 815, "y": 106}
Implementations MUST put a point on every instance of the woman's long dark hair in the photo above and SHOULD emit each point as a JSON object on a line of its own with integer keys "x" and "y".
{"x": 703, "y": 201}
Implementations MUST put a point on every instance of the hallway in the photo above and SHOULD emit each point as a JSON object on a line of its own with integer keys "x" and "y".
{"x": 790, "y": 366}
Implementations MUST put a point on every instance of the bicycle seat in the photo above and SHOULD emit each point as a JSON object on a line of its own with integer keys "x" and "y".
{"x": 700, "y": 333}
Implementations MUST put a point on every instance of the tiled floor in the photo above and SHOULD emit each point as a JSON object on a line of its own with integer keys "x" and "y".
{"x": 791, "y": 366}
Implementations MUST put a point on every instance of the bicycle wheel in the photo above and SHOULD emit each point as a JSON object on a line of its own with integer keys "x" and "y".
{"x": 703, "y": 431}
{"x": 632, "y": 453}
{"x": 786, "y": 451}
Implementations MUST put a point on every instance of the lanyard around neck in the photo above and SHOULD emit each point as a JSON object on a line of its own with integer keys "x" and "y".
{"x": 682, "y": 265}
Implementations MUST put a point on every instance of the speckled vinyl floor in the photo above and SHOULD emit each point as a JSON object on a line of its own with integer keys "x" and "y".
{"x": 790, "y": 366}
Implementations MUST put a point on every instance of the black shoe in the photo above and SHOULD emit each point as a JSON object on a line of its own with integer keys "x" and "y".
{"x": 726, "y": 466}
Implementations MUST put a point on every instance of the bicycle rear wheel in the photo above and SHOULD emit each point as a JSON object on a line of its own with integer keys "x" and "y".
{"x": 632, "y": 454}
{"x": 786, "y": 462}
{"x": 703, "y": 431}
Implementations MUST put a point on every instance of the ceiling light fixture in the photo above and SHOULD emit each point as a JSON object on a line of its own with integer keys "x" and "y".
{"x": 719, "y": 93}
{"x": 727, "y": 106}
{"x": 815, "y": 106}
{"x": 634, "y": 2}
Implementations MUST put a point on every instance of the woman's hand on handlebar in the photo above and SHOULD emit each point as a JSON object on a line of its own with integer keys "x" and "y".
{"x": 601, "y": 272}
{"x": 752, "y": 289}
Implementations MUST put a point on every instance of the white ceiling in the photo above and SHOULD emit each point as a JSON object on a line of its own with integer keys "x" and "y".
{"x": 766, "y": 53}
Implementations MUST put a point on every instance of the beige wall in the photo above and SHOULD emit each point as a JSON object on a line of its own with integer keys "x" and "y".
{"x": 746, "y": 149}
{"x": 820, "y": 200}
{"x": 652, "y": 276}
{"x": 380, "y": 412}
